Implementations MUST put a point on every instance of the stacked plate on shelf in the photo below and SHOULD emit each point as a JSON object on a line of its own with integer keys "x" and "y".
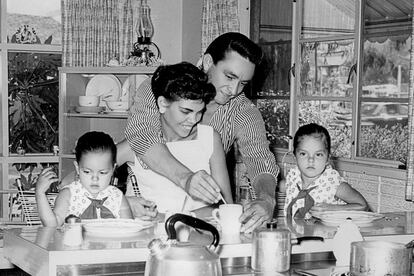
{"x": 109, "y": 89}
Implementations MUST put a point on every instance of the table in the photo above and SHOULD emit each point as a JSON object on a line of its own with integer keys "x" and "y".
{"x": 40, "y": 250}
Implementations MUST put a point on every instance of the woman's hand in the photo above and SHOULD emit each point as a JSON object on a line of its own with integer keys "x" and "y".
{"x": 142, "y": 208}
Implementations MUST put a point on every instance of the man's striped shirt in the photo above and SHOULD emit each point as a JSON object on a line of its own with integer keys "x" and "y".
{"x": 237, "y": 121}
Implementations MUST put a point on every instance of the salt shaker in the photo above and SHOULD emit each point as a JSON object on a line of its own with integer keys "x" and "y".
{"x": 347, "y": 233}
{"x": 73, "y": 231}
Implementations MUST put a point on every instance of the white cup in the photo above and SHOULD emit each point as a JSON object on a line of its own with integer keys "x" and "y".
{"x": 88, "y": 100}
{"x": 227, "y": 216}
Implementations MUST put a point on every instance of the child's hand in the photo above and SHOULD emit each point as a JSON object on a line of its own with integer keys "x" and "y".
{"x": 46, "y": 178}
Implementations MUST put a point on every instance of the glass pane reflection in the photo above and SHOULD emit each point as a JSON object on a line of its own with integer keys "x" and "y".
{"x": 327, "y": 68}
{"x": 34, "y": 22}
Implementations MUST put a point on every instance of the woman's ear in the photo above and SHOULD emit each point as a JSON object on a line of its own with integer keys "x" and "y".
{"x": 162, "y": 104}
{"x": 207, "y": 62}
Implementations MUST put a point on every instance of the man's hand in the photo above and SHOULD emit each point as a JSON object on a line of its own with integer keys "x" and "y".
{"x": 259, "y": 211}
{"x": 142, "y": 208}
{"x": 255, "y": 214}
{"x": 200, "y": 185}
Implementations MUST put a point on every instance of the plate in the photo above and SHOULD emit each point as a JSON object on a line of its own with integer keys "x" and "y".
{"x": 108, "y": 87}
{"x": 89, "y": 109}
{"x": 335, "y": 218}
{"x": 115, "y": 227}
{"x": 127, "y": 85}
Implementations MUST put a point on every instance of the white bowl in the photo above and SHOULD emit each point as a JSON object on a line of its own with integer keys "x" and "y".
{"x": 117, "y": 106}
{"x": 88, "y": 100}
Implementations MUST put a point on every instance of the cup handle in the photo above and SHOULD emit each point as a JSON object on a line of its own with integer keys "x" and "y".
{"x": 216, "y": 215}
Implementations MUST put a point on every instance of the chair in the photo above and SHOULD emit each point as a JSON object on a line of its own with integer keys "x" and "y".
{"x": 30, "y": 214}
{"x": 134, "y": 182}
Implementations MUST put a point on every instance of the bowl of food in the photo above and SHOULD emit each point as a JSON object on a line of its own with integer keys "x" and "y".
{"x": 88, "y": 100}
{"x": 117, "y": 106}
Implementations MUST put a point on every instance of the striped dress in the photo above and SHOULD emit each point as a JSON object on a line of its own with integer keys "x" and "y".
{"x": 239, "y": 121}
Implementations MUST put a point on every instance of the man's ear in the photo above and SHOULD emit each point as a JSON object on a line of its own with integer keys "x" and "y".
{"x": 162, "y": 104}
{"x": 207, "y": 62}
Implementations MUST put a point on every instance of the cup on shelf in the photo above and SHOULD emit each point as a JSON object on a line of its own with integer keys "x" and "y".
{"x": 227, "y": 216}
{"x": 88, "y": 100}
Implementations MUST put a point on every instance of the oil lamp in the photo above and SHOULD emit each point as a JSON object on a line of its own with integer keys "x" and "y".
{"x": 144, "y": 48}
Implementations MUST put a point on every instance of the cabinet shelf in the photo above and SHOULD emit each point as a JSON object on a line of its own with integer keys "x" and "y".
{"x": 72, "y": 84}
{"x": 98, "y": 115}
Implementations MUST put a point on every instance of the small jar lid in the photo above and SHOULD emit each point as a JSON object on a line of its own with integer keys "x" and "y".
{"x": 271, "y": 224}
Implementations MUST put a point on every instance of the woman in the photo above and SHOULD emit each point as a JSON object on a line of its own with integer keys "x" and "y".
{"x": 181, "y": 92}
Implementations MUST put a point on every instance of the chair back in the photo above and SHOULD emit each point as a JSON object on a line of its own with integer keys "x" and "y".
{"x": 30, "y": 213}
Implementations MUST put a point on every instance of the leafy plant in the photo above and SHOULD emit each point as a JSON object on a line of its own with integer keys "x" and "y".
{"x": 28, "y": 179}
{"x": 33, "y": 101}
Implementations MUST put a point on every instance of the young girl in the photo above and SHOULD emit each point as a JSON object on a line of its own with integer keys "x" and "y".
{"x": 313, "y": 180}
{"x": 91, "y": 196}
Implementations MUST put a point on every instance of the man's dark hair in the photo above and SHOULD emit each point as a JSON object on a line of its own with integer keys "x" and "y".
{"x": 237, "y": 42}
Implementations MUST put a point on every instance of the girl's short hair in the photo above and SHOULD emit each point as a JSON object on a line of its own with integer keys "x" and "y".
{"x": 313, "y": 130}
{"x": 182, "y": 81}
{"x": 95, "y": 141}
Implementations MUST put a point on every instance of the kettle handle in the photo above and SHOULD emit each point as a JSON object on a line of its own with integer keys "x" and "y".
{"x": 193, "y": 222}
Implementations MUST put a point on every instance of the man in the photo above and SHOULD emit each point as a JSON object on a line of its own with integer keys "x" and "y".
{"x": 229, "y": 62}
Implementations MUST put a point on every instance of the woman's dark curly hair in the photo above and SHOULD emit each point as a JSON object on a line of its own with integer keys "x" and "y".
{"x": 182, "y": 81}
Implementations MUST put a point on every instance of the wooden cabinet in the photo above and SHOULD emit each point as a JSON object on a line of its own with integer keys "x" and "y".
{"x": 72, "y": 124}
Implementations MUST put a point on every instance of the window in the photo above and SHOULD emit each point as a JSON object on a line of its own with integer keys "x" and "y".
{"x": 351, "y": 77}
{"x": 30, "y": 54}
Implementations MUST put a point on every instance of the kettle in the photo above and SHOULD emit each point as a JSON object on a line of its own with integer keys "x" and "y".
{"x": 173, "y": 258}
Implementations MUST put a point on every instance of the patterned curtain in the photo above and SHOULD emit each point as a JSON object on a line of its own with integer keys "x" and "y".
{"x": 409, "y": 194}
{"x": 94, "y": 31}
{"x": 218, "y": 17}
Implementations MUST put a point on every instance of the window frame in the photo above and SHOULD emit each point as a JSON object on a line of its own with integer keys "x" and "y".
{"x": 7, "y": 159}
{"x": 355, "y": 99}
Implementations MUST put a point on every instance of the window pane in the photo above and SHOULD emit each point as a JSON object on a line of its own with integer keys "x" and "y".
{"x": 384, "y": 107}
{"x": 28, "y": 173}
{"x": 277, "y": 71}
{"x": 276, "y": 116}
{"x": 326, "y": 68}
{"x": 336, "y": 116}
{"x": 328, "y": 18}
{"x": 34, "y": 21}
{"x": 33, "y": 101}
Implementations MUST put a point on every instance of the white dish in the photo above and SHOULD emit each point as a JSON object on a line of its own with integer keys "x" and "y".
{"x": 108, "y": 87}
{"x": 335, "y": 218}
{"x": 115, "y": 227}
{"x": 115, "y": 112}
{"x": 89, "y": 109}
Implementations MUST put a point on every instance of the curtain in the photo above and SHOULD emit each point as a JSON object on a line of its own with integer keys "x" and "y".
{"x": 409, "y": 194}
{"x": 94, "y": 31}
{"x": 218, "y": 17}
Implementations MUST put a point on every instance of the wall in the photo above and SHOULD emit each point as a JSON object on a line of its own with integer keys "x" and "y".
{"x": 177, "y": 26}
